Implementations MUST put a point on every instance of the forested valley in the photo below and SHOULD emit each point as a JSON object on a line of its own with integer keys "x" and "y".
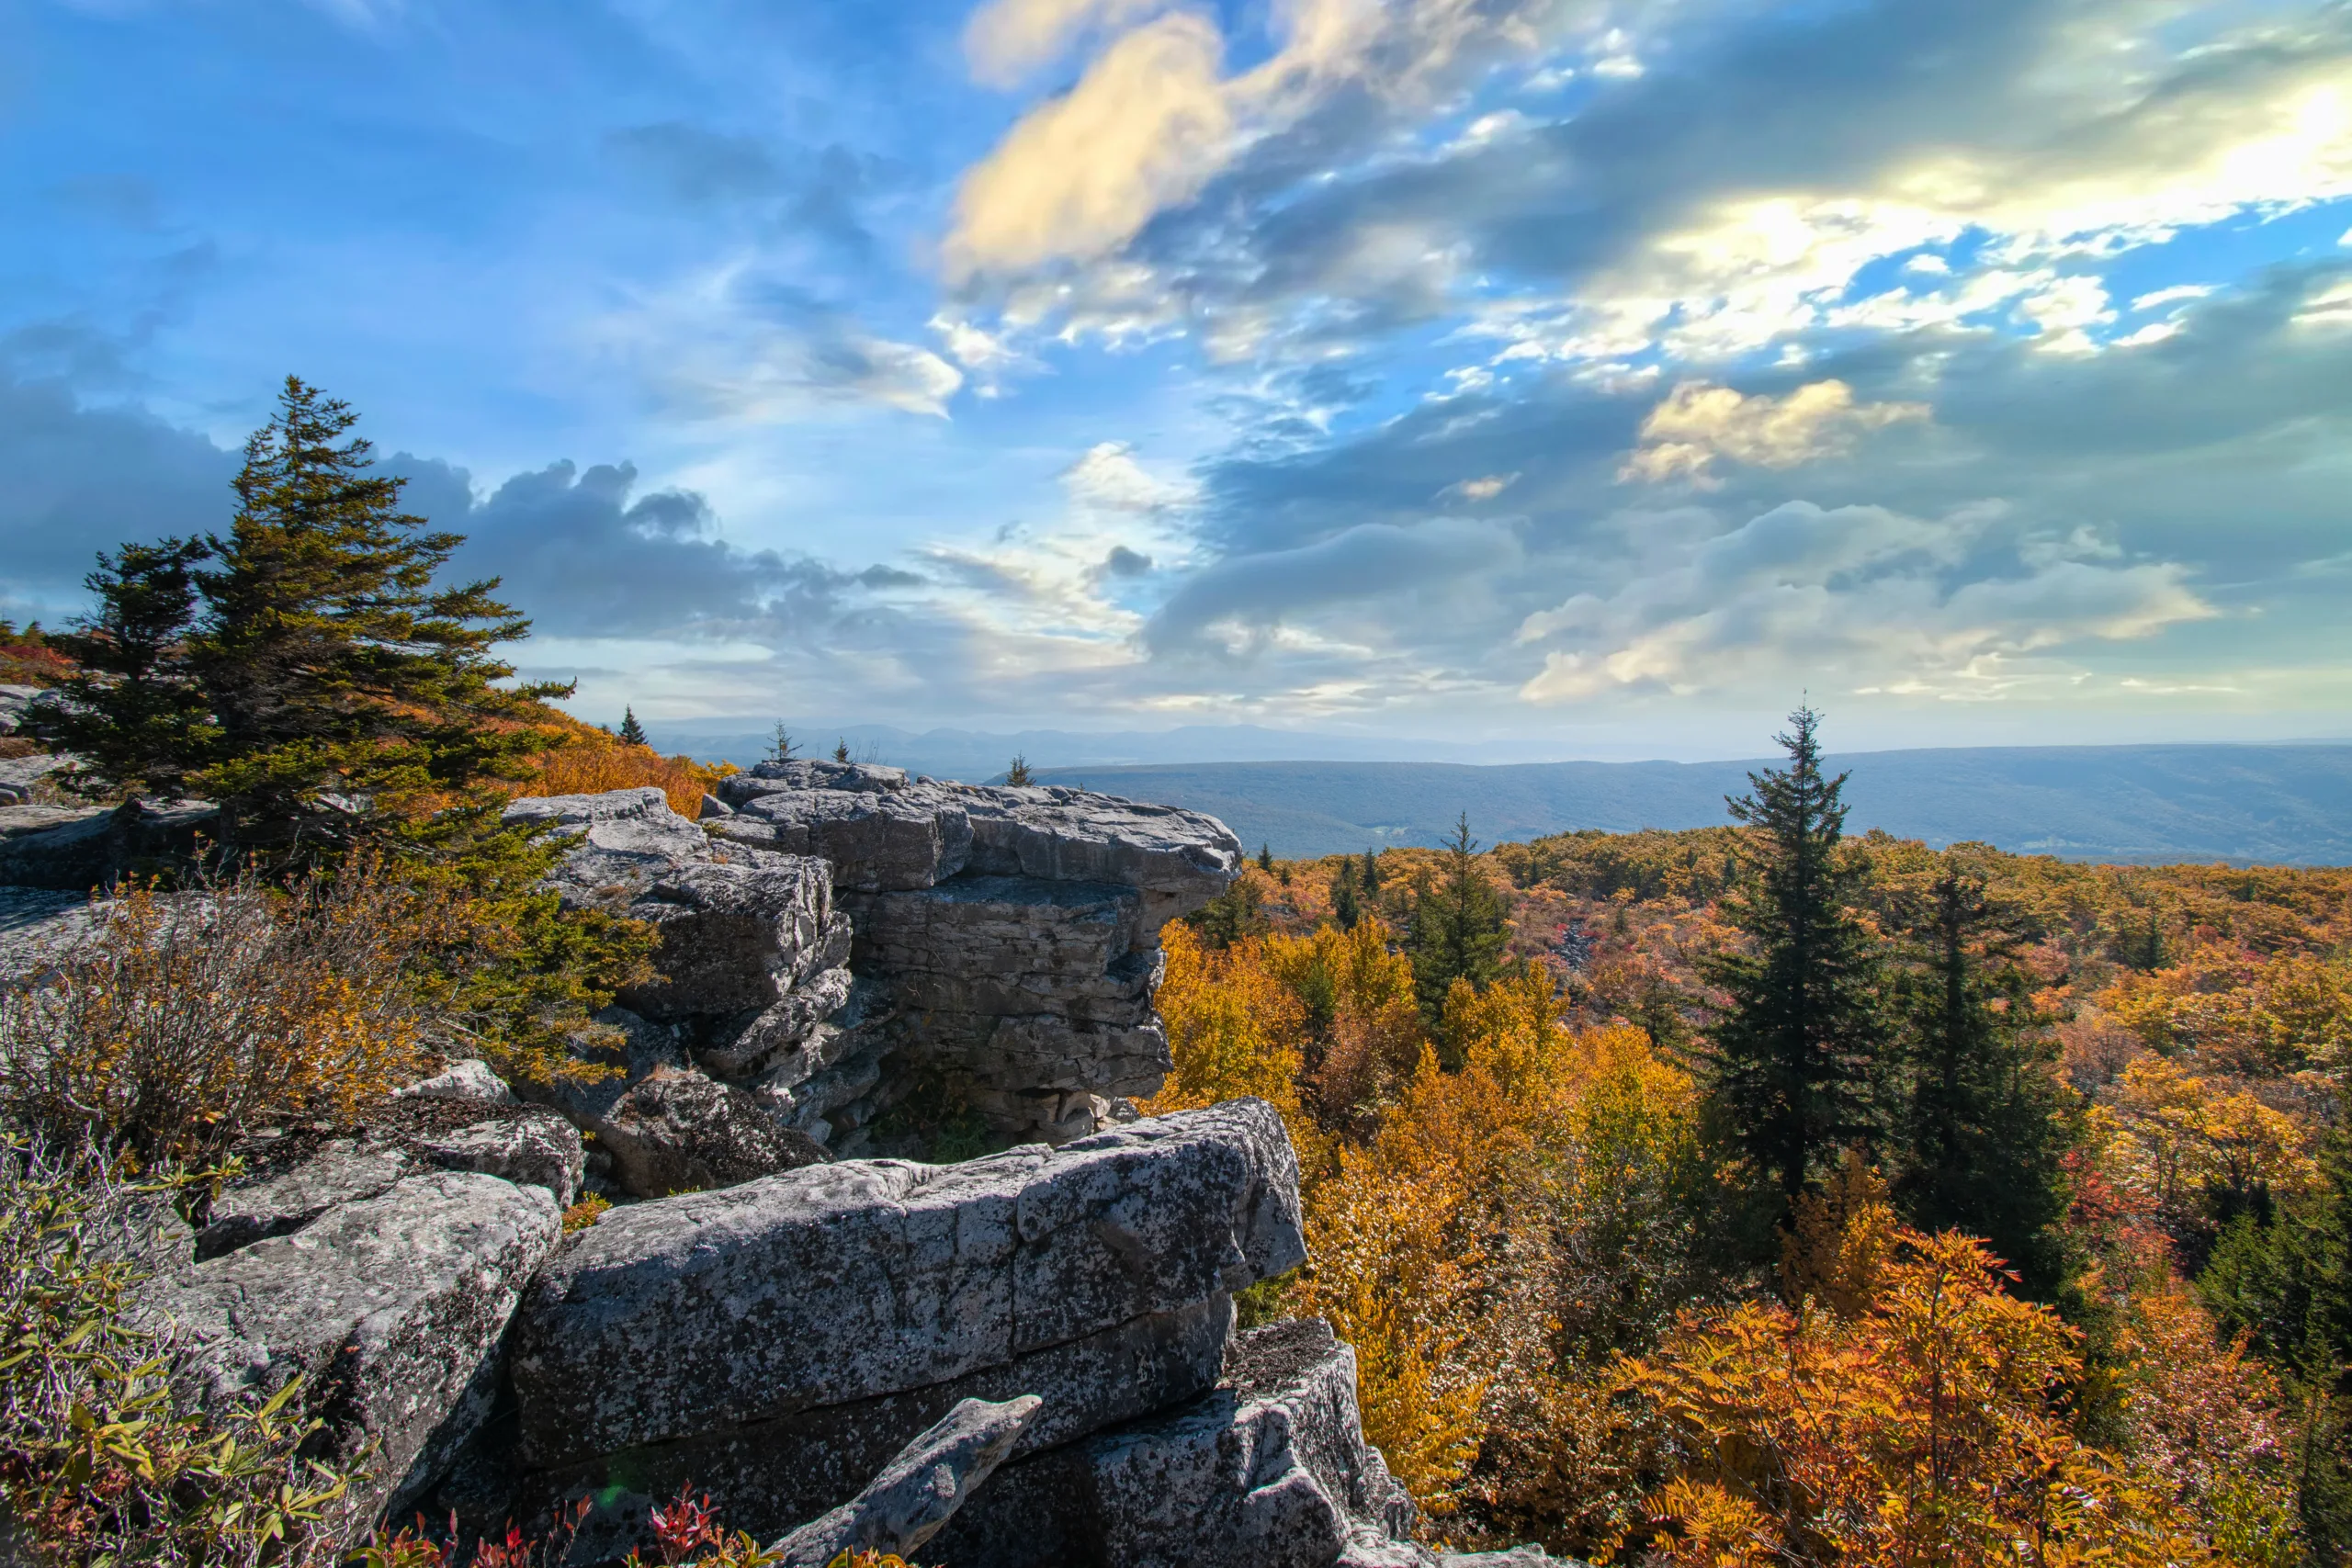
{"x": 1761, "y": 1195}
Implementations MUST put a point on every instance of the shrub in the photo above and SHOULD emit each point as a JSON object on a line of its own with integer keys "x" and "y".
{"x": 101, "y": 1464}
{"x": 187, "y": 1019}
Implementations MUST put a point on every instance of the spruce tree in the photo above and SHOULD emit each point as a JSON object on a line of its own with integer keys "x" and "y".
{"x": 1346, "y": 907}
{"x": 1018, "y": 771}
{"x": 1793, "y": 1054}
{"x": 131, "y": 711}
{"x": 841, "y": 748}
{"x": 348, "y": 688}
{"x": 1266, "y": 859}
{"x": 631, "y": 732}
{"x": 1457, "y": 929}
{"x": 1985, "y": 1125}
{"x": 1372, "y": 873}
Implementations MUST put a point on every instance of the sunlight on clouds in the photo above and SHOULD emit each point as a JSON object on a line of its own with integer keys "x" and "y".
{"x": 1007, "y": 40}
{"x": 1860, "y": 593}
{"x": 1147, "y": 127}
{"x": 1697, "y": 423}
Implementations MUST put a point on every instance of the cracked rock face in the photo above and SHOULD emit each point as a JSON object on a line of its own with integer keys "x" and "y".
{"x": 1011, "y": 934}
{"x": 392, "y": 1306}
{"x": 842, "y": 1282}
{"x": 1269, "y": 1470}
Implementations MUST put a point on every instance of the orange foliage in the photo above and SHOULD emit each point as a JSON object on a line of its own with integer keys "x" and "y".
{"x": 590, "y": 762}
{"x": 1926, "y": 1430}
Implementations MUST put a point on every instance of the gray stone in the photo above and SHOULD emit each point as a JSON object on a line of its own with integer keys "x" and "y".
{"x": 13, "y": 700}
{"x": 751, "y": 948}
{"x": 392, "y": 1307}
{"x": 851, "y": 1280}
{"x": 918, "y": 1491}
{"x": 279, "y": 1202}
{"x": 625, "y": 1055}
{"x": 1516, "y": 1557}
{"x": 95, "y": 849}
{"x": 38, "y": 928}
{"x": 1270, "y": 1471}
{"x": 678, "y": 1131}
{"x": 713, "y": 806}
{"x": 526, "y": 1146}
{"x": 467, "y": 1079}
{"x": 769, "y": 1475}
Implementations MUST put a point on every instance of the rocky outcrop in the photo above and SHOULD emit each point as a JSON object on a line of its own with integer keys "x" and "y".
{"x": 1269, "y": 1470}
{"x": 74, "y": 852}
{"x": 1010, "y": 938}
{"x": 391, "y": 1308}
{"x": 836, "y": 938}
{"x": 775, "y": 1341}
{"x": 13, "y": 700}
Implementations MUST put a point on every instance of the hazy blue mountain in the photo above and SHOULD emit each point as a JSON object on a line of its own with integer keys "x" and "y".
{"x": 2279, "y": 805}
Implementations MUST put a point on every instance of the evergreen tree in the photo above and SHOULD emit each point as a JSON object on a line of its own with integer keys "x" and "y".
{"x": 346, "y": 688}
{"x": 1266, "y": 859}
{"x": 320, "y": 688}
{"x": 781, "y": 745}
{"x": 1018, "y": 771}
{"x": 1457, "y": 929}
{"x": 1346, "y": 907}
{"x": 1985, "y": 1125}
{"x": 631, "y": 732}
{"x": 2283, "y": 1275}
{"x": 133, "y": 711}
{"x": 1793, "y": 1049}
{"x": 1372, "y": 873}
{"x": 841, "y": 750}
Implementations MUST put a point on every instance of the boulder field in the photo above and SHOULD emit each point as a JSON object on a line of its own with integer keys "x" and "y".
{"x": 1024, "y": 1359}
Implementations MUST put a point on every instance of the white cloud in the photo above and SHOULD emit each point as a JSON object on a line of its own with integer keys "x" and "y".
{"x": 1007, "y": 40}
{"x": 1698, "y": 425}
{"x": 1862, "y": 596}
{"x": 1146, "y": 127}
{"x": 1107, "y": 478}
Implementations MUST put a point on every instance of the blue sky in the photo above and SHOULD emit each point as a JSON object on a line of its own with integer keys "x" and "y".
{"x": 1582, "y": 375}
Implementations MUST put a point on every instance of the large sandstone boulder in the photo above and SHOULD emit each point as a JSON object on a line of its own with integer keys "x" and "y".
{"x": 753, "y": 955}
{"x": 773, "y": 1342}
{"x": 849, "y": 1281}
{"x": 1010, "y": 936}
{"x": 74, "y": 852}
{"x": 1270, "y": 1471}
{"x": 392, "y": 1307}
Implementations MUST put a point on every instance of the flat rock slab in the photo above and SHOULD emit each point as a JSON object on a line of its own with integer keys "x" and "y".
{"x": 1270, "y": 1471}
{"x": 770, "y": 1475}
{"x": 392, "y": 1307}
{"x": 851, "y": 1280}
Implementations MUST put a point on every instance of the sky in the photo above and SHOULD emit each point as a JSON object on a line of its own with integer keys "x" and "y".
{"x": 1579, "y": 376}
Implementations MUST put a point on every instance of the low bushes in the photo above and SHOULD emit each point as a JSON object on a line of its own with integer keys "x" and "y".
{"x": 188, "y": 1019}
{"x": 102, "y": 1462}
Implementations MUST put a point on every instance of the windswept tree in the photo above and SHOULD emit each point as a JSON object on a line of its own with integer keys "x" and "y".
{"x": 1984, "y": 1125}
{"x": 133, "y": 711}
{"x": 310, "y": 672}
{"x": 1793, "y": 1055}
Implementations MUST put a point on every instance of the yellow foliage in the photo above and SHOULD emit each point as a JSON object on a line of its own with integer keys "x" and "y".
{"x": 1925, "y": 1430}
{"x": 2237, "y": 1011}
{"x": 1837, "y": 1247}
{"x": 2171, "y": 1135}
{"x": 591, "y": 761}
{"x": 189, "y": 1020}
{"x": 1232, "y": 1028}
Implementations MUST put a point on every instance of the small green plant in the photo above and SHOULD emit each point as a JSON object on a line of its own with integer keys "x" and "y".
{"x": 1017, "y": 772}
{"x": 102, "y": 1463}
{"x": 585, "y": 1212}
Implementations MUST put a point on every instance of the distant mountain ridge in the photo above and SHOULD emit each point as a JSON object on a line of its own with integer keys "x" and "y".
{"x": 2268, "y": 804}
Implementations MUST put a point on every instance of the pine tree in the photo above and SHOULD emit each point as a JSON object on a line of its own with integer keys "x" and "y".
{"x": 781, "y": 745}
{"x": 347, "y": 689}
{"x": 133, "y": 711}
{"x": 1793, "y": 1051}
{"x": 1986, "y": 1126}
{"x": 1372, "y": 873}
{"x": 1018, "y": 771}
{"x": 1457, "y": 929}
{"x": 1346, "y": 907}
{"x": 1266, "y": 859}
{"x": 631, "y": 732}
{"x": 841, "y": 748}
